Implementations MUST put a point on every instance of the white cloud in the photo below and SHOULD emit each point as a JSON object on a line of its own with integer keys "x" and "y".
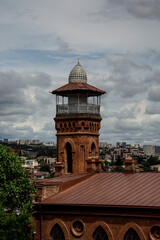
{"x": 149, "y": 9}
{"x": 25, "y": 97}
{"x": 152, "y": 108}
{"x": 154, "y": 93}
{"x": 118, "y": 45}
{"x": 38, "y": 25}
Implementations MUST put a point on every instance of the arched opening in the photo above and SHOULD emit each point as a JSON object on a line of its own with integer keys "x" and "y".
{"x": 93, "y": 149}
{"x": 57, "y": 233}
{"x": 82, "y": 125}
{"x": 100, "y": 234}
{"x": 131, "y": 234}
{"x": 69, "y": 157}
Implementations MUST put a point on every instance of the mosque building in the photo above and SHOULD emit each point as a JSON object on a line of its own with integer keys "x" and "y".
{"x": 82, "y": 202}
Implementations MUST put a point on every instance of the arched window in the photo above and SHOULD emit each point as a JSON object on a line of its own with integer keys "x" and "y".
{"x": 131, "y": 235}
{"x": 100, "y": 234}
{"x": 73, "y": 124}
{"x": 93, "y": 149}
{"x": 69, "y": 157}
{"x": 57, "y": 233}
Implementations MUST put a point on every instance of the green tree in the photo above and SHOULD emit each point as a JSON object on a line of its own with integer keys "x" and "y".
{"x": 15, "y": 197}
{"x": 151, "y": 161}
{"x": 118, "y": 169}
{"x": 119, "y": 161}
{"x": 45, "y": 168}
{"x": 105, "y": 166}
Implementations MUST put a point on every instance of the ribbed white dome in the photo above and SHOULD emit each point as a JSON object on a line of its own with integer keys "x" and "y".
{"x": 78, "y": 74}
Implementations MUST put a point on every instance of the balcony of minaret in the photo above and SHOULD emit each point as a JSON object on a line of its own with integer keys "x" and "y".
{"x": 77, "y": 104}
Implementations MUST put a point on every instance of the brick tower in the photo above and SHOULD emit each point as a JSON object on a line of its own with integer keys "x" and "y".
{"x": 77, "y": 123}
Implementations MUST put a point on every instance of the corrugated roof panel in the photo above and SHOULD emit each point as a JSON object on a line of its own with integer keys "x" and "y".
{"x": 134, "y": 189}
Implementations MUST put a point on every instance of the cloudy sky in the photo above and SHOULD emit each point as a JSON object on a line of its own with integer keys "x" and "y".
{"x": 118, "y": 44}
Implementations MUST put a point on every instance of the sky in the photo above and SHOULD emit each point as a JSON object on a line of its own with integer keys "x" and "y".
{"x": 117, "y": 43}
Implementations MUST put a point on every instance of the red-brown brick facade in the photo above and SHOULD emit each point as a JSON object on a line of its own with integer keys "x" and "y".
{"x": 78, "y": 137}
{"x": 79, "y": 223}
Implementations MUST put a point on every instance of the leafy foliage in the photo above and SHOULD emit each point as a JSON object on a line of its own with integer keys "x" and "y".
{"x": 41, "y": 161}
{"x": 45, "y": 168}
{"x": 151, "y": 161}
{"x": 105, "y": 165}
{"x": 15, "y": 227}
{"x": 118, "y": 169}
{"x": 119, "y": 161}
{"x": 15, "y": 195}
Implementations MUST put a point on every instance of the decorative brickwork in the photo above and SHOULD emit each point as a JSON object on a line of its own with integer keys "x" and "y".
{"x": 46, "y": 191}
{"x": 77, "y": 144}
{"x": 115, "y": 224}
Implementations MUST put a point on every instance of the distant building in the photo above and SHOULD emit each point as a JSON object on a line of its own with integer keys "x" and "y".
{"x": 49, "y": 144}
{"x": 35, "y": 141}
{"x": 28, "y": 141}
{"x": 31, "y": 163}
{"x": 103, "y": 144}
{"x": 157, "y": 150}
{"x": 155, "y": 168}
{"x": 128, "y": 145}
{"x": 109, "y": 145}
{"x": 47, "y": 160}
{"x": 137, "y": 145}
{"x": 149, "y": 150}
{"x": 38, "y": 175}
{"x": 124, "y": 144}
{"x": 119, "y": 144}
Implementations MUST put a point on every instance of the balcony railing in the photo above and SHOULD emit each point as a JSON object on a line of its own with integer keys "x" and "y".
{"x": 78, "y": 109}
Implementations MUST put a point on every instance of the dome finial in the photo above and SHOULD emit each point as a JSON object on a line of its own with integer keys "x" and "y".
{"x": 78, "y": 60}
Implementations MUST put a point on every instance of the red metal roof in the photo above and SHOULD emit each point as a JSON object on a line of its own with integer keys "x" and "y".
{"x": 112, "y": 189}
{"x": 78, "y": 87}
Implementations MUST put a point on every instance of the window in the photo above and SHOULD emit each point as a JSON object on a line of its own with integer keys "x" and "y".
{"x": 93, "y": 149}
{"x": 131, "y": 235}
{"x": 100, "y": 234}
{"x": 68, "y": 148}
{"x": 57, "y": 233}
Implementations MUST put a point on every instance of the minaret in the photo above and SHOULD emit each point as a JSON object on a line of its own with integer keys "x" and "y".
{"x": 77, "y": 123}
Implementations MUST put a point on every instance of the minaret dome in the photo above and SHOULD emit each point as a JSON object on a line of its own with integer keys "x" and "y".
{"x": 78, "y": 74}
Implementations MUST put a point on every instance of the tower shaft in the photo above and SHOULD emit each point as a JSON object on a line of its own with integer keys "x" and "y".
{"x": 78, "y": 143}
